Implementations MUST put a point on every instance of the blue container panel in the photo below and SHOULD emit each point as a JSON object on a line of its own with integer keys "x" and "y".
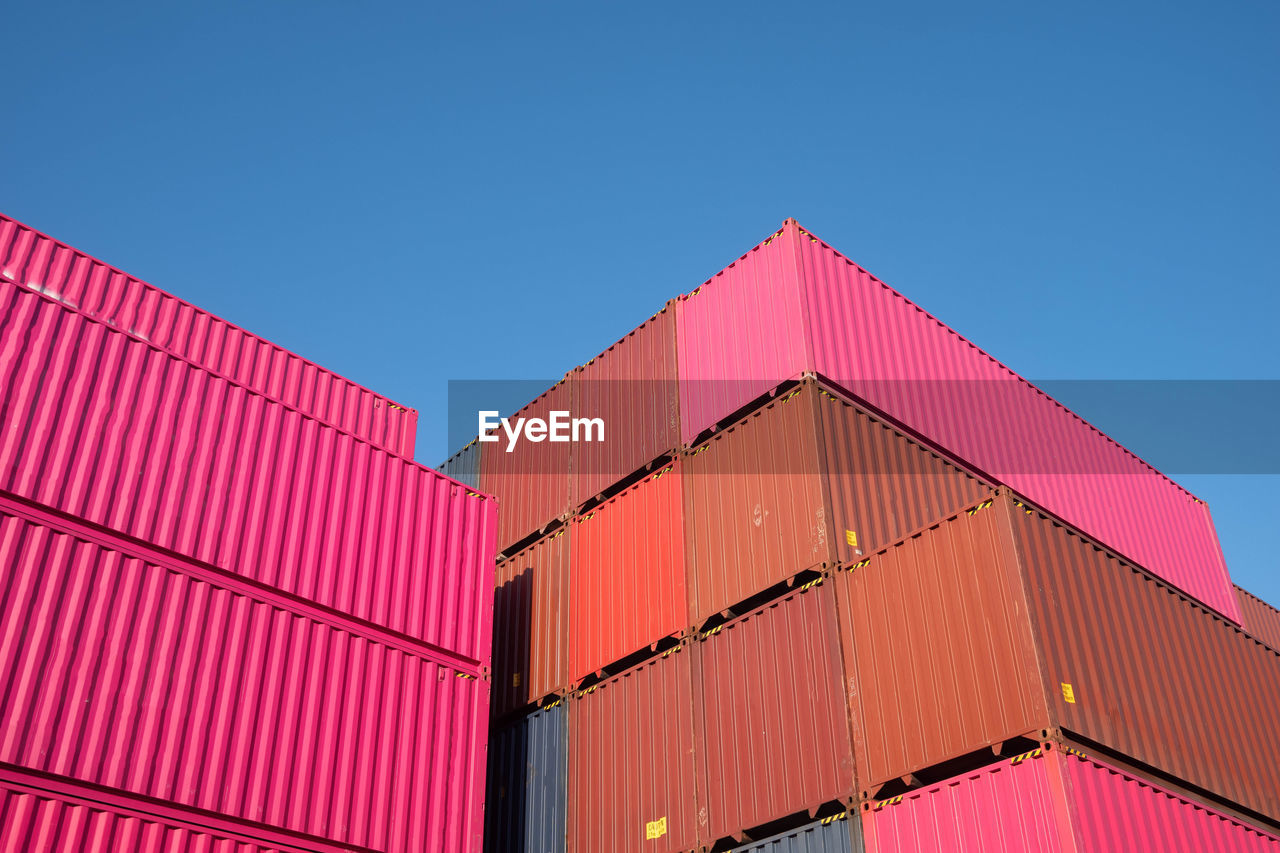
{"x": 842, "y": 835}
{"x": 525, "y": 809}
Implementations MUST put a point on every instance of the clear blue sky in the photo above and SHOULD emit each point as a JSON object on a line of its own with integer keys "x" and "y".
{"x": 412, "y": 194}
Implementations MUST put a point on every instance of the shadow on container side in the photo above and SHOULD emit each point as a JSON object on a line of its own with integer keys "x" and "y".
{"x": 528, "y": 789}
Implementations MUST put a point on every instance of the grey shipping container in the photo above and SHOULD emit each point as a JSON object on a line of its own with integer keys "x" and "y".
{"x": 464, "y": 466}
{"x": 841, "y": 834}
{"x": 528, "y": 779}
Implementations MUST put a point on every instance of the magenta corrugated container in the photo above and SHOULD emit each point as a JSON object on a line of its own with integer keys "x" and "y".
{"x": 1048, "y": 801}
{"x": 805, "y": 307}
{"x": 101, "y": 425}
{"x": 44, "y": 813}
{"x": 130, "y": 668}
{"x": 36, "y": 261}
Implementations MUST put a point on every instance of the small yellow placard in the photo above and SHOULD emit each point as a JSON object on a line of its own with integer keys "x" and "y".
{"x": 852, "y": 538}
{"x": 515, "y": 679}
{"x": 655, "y": 828}
{"x": 1068, "y": 693}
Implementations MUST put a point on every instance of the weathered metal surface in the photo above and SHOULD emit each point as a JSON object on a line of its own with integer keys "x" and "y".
{"x": 101, "y": 425}
{"x": 627, "y": 573}
{"x": 44, "y": 265}
{"x": 1259, "y": 618}
{"x": 772, "y": 729}
{"x": 631, "y": 763}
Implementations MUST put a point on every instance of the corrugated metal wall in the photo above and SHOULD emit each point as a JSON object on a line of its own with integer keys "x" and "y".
{"x": 79, "y": 281}
{"x": 129, "y": 669}
{"x": 464, "y": 466}
{"x": 631, "y": 764}
{"x": 118, "y": 432}
{"x": 627, "y": 574}
{"x": 881, "y": 347}
{"x": 748, "y": 301}
{"x": 528, "y": 784}
{"x": 1260, "y": 618}
{"x": 771, "y": 726}
{"x": 754, "y": 505}
{"x": 532, "y": 481}
{"x": 937, "y": 648}
{"x": 838, "y": 835}
{"x": 633, "y": 387}
{"x": 1151, "y": 673}
{"x": 531, "y": 623}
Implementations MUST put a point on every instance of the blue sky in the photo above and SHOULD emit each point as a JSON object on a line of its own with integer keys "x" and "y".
{"x": 410, "y": 195}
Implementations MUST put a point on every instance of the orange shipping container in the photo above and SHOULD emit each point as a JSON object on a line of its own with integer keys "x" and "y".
{"x": 807, "y": 481}
{"x": 531, "y": 624}
{"x": 628, "y": 573}
{"x": 1259, "y": 618}
{"x": 1000, "y": 622}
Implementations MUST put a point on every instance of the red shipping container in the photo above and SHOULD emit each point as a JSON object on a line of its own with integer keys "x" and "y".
{"x": 44, "y": 265}
{"x": 770, "y": 722}
{"x": 1002, "y": 622}
{"x": 43, "y": 813}
{"x": 133, "y": 669}
{"x": 631, "y": 764}
{"x": 531, "y": 480}
{"x": 627, "y": 573}
{"x": 807, "y": 481}
{"x": 106, "y": 427}
{"x": 805, "y": 307}
{"x": 531, "y": 624}
{"x": 1259, "y": 618}
{"x": 632, "y": 387}
{"x": 1054, "y": 802}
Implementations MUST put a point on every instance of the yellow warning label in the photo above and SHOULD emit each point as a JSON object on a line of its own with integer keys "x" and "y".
{"x": 655, "y": 829}
{"x": 851, "y": 538}
{"x": 515, "y": 679}
{"x": 1068, "y": 693}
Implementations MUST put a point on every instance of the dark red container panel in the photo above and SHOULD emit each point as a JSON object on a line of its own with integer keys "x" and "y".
{"x": 531, "y": 624}
{"x": 104, "y": 426}
{"x": 531, "y": 482}
{"x": 44, "y": 265}
{"x": 1054, "y": 802}
{"x": 754, "y": 509}
{"x": 938, "y": 650}
{"x": 803, "y": 307}
{"x": 631, "y": 761}
{"x": 808, "y": 479}
{"x": 632, "y": 387}
{"x": 1001, "y": 621}
{"x": 42, "y": 813}
{"x": 772, "y": 729}
{"x": 131, "y": 669}
{"x": 1260, "y": 618}
{"x": 627, "y": 574}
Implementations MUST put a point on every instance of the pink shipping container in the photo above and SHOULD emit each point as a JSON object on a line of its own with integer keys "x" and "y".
{"x": 804, "y": 307}
{"x": 102, "y": 425}
{"x": 1050, "y": 800}
{"x": 47, "y": 266}
{"x": 43, "y": 813}
{"x": 129, "y": 668}
{"x": 531, "y": 482}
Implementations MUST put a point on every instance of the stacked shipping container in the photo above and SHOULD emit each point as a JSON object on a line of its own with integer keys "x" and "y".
{"x": 798, "y": 582}
{"x": 233, "y": 609}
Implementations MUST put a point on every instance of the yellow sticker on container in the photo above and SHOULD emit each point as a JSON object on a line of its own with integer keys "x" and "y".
{"x": 851, "y": 538}
{"x": 655, "y": 829}
{"x": 515, "y": 679}
{"x": 1068, "y": 693}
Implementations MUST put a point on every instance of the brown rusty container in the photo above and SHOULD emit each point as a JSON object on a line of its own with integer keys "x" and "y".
{"x": 1259, "y": 618}
{"x": 531, "y": 481}
{"x": 769, "y": 714}
{"x": 808, "y": 480}
{"x": 1000, "y": 621}
{"x": 632, "y": 387}
{"x": 631, "y": 761}
{"x": 530, "y": 624}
